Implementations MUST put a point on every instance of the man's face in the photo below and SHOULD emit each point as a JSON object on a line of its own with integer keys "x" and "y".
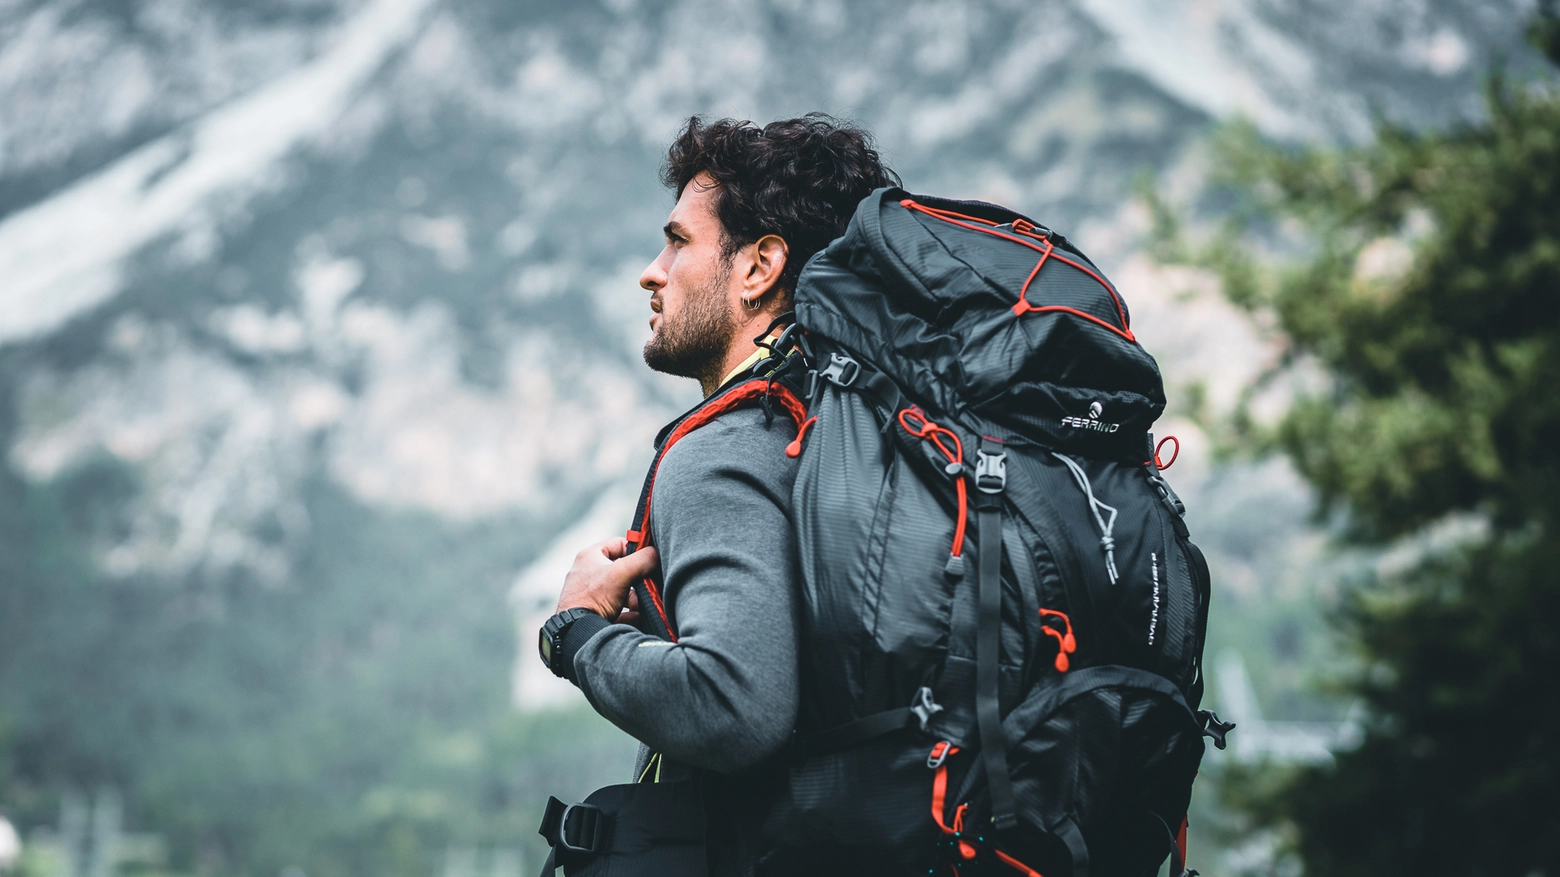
{"x": 692, "y": 322}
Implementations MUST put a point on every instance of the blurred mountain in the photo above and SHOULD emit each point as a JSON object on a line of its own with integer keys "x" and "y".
{"x": 395, "y": 243}
{"x": 310, "y": 300}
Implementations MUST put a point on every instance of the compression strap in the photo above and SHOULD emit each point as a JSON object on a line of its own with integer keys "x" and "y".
{"x": 988, "y": 643}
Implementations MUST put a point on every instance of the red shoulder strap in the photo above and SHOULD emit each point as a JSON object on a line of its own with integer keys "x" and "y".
{"x": 740, "y": 396}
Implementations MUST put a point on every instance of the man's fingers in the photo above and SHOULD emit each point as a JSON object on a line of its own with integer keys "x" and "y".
{"x": 639, "y": 564}
{"x": 613, "y": 548}
{"x": 609, "y": 548}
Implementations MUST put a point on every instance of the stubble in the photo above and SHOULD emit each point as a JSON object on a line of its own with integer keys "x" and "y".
{"x": 694, "y": 345}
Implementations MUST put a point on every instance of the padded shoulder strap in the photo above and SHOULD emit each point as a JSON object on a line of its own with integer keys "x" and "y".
{"x": 754, "y": 391}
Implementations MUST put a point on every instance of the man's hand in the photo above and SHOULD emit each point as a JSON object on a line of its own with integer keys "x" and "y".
{"x": 603, "y": 576}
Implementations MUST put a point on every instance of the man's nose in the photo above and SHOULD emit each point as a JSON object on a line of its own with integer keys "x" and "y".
{"x": 654, "y": 276}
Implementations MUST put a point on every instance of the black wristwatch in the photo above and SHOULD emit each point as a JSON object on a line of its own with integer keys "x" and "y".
{"x": 551, "y": 644}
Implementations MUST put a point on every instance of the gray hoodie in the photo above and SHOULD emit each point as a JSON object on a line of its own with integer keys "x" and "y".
{"x": 724, "y": 697}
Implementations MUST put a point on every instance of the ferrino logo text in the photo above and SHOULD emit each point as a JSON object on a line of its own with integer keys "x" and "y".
{"x": 1093, "y": 421}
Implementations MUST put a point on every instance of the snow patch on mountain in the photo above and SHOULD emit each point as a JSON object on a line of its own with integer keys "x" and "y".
{"x": 1220, "y": 56}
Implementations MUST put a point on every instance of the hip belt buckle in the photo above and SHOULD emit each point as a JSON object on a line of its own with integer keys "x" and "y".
{"x": 575, "y": 828}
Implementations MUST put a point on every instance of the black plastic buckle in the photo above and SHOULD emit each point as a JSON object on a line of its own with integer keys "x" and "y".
{"x": 552, "y": 817}
{"x": 842, "y": 370}
{"x": 588, "y": 825}
{"x": 572, "y": 827}
{"x": 990, "y": 468}
{"x": 924, "y": 707}
{"x": 786, "y": 341}
{"x": 1214, "y": 728}
{"x": 939, "y": 754}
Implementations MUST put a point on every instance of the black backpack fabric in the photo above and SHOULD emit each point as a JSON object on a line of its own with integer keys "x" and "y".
{"x": 1003, "y": 616}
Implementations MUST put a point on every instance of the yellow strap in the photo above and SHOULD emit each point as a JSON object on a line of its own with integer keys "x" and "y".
{"x": 754, "y": 357}
{"x": 655, "y": 761}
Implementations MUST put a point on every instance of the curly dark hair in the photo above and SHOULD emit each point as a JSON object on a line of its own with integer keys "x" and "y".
{"x": 800, "y": 179}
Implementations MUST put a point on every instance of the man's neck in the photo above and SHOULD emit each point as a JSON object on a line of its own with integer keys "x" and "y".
{"x": 740, "y": 354}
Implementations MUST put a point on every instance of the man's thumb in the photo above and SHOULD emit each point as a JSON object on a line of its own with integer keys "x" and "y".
{"x": 639, "y": 564}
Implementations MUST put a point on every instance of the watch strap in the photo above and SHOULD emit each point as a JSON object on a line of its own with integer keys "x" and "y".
{"x": 574, "y": 638}
{"x": 561, "y": 636}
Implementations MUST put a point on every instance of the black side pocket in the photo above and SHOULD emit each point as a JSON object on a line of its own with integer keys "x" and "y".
{"x": 1100, "y": 749}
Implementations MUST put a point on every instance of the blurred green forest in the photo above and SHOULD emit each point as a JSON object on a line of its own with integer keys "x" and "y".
{"x": 1415, "y": 283}
{"x": 355, "y": 720}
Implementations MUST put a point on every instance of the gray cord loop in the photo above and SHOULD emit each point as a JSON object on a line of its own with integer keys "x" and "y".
{"x": 1107, "y": 544}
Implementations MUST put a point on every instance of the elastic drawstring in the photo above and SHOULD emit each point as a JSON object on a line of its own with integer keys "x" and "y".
{"x": 939, "y": 757}
{"x": 1023, "y": 306}
{"x": 1065, "y": 643}
{"x": 1017, "y": 865}
{"x": 932, "y": 432}
{"x": 967, "y": 851}
{"x": 1027, "y": 230}
{"x": 794, "y": 449}
{"x": 1106, "y": 526}
{"x": 1161, "y": 464}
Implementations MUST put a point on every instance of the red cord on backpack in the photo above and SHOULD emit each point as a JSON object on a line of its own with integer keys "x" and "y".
{"x": 1161, "y": 465}
{"x": 1046, "y": 251}
{"x": 741, "y": 395}
{"x": 1065, "y": 643}
{"x": 794, "y": 449}
{"x": 938, "y": 758}
{"x": 934, "y": 433}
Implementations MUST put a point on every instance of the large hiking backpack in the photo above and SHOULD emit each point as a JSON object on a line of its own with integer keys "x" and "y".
{"x": 1003, "y": 616}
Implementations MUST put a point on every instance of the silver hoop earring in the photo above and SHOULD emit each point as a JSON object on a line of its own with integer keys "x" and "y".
{"x": 752, "y": 304}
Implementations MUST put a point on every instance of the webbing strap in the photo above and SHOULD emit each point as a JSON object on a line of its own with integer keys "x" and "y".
{"x": 1177, "y": 855}
{"x": 1204, "y": 584}
{"x": 1068, "y": 831}
{"x": 876, "y": 385}
{"x": 581, "y": 836}
{"x": 988, "y": 642}
{"x": 862, "y": 730}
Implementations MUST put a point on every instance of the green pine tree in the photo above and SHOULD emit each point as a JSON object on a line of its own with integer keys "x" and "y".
{"x": 1423, "y": 279}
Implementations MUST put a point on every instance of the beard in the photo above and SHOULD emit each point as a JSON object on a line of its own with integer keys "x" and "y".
{"x": 694, "y": 345}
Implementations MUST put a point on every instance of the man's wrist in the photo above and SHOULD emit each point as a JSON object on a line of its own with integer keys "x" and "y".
{"x": 565, "y": 634}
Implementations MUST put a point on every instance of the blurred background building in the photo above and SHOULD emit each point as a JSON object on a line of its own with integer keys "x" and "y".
{"x": 319, "y": 333}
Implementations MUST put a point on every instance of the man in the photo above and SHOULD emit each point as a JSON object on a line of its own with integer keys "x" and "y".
{"x": 718, "y": 704}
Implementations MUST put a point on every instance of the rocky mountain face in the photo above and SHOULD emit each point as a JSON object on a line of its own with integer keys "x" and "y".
{"x": 394, "y": 244}
{"x": 397, "y": 242}
{"x": 290, "y": 287}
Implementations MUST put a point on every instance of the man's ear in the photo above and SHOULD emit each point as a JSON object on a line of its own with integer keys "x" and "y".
{"x": 767, "y": 262}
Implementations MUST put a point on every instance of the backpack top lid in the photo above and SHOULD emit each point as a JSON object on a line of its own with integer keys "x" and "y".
{"x": 987, "y": 319}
